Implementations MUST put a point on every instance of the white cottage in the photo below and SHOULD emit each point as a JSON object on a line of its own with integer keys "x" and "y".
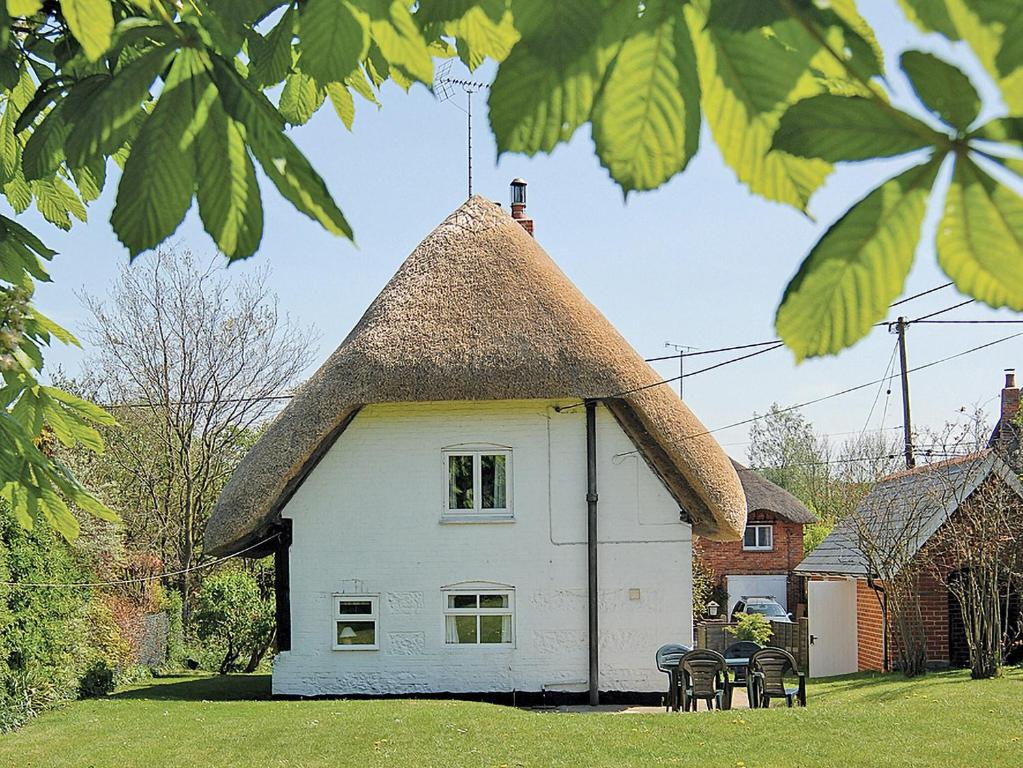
{"x": 483, "y": 490}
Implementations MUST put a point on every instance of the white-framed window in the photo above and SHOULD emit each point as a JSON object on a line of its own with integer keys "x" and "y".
{"x": 477, "y": 484}
{"x": 479, "y": 616}
{"x": 758, "y": 537}
{"x": 356, "y": 622}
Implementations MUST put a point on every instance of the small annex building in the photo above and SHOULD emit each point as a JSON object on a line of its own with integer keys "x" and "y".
{"x": 761, "y": 563}
{"x": 901, "y": 514}
{"x": 484, "y": 489}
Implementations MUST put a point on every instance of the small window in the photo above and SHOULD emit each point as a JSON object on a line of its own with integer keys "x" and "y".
{"x": 478, "y": 618}
{"x": 758, "y": 537}
{"x": 477, "y": 484}
{"x": 355, "y": 622}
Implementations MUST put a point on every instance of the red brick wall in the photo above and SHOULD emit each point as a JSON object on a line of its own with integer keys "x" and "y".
{"x": 934, "y": 611}
{"x": 727, "y": 558}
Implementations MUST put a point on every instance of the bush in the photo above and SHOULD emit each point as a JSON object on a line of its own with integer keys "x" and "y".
{"x": 98, "y": 680}
{"x": 234, "y": 621}
{"x": 44, "y": 632}
{"x": 751, "y": 626}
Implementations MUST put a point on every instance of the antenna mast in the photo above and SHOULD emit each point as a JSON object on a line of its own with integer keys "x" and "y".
{"x": 444, "y": 87}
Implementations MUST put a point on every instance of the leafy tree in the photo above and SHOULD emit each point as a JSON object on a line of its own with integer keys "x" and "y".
{"x": 751, "y": 626}
{"x": 175, "y": 94}
{"x": 234, "y": 619}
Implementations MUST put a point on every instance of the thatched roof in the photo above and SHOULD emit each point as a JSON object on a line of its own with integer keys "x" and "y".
{"x": 762, "y": 494}
{"x": 479, "y": 311}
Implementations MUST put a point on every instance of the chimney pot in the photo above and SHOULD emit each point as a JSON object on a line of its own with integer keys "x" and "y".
{"x": 518, "y": 204}
{"x": 1010, "y": 378}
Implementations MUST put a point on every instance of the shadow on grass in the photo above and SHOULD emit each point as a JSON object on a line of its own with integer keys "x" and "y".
{"x": 219, "y": 688}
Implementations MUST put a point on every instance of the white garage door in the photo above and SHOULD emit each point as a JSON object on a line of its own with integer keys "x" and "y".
{"x": 759, "y": 586}
{"x": 831, "y": 608}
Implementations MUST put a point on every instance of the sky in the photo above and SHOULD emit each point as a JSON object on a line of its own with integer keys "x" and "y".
{"x": 699, "y": 262}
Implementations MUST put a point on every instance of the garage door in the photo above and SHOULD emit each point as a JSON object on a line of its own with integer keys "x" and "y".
{"x": 831, "y": 608}
{"x": 774, "y": 586}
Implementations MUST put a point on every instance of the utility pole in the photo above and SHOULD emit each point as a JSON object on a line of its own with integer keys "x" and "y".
{"x": 907, "y": 425}
{"x": 681, "y": 349}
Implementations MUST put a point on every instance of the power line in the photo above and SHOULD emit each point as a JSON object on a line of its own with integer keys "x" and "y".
{"x": 918, "y": 295}
{"x": 713, "y": 351}
{"x": 141, "y": 579}
{"x": 887, "y": 371}
{"x": 970, "y": 322}
{"x": 259, "y": 399}
{"x": 940, "y": 311}
{"x": 857, "y": 387}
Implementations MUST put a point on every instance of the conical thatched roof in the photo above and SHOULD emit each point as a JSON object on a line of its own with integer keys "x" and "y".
{"x": 762, "y": 494}
{"x": 480, "y": 312}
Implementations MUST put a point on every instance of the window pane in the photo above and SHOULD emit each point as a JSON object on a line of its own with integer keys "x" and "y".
{"x": 460, "y": 482}
{"x": 355, "y": 606}
{"x": 493, "y": 601}
{"x": 356, "y": 633}
{"x": 493, "y": 481}
{"x": 765, "y": 536}
{"x": 462, "y": 601}
{"x": 749, "y": 538}
{"x": 464, "y": 629}
{"x": 495, "y": 629}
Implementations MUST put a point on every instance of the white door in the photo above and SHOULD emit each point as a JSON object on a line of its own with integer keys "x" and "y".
{"x": 831, "y": 608}
{"x": 757, "y": 586}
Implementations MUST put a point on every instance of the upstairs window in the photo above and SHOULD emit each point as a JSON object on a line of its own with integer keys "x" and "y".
{"x": 758, "y": 538}
{"x": 478, "y": 484}
{"x": 355, "y": 622}
{"x": 478, "y": 618}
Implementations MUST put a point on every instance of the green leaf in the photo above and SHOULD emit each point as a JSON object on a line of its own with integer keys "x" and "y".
{"x": 343, "y": 103}
{"x": 44, "y": 150}
{"x": 560, "y": 32}
{"x": 24, "y": 7}
{"x": 980, "y": 237}
{"x": 478, "y": 36}
{"x": 1010, "y": 57}
{"x": 92, "y": 24}
{"x": 646, "y": 123}
{"x": 106, "y": 119}
{"x": 433, "y": 11}
{"x": 942, "y": 88}
{"x": 271, "y": 57}
{"x": 57, "y": 202}
{"x": 333, "y": 39}
{"x": 281, "y": 160}
{"x": 930, "y": 15}
{"x": 849, "y": 128}
{"x": 857, "y": 268}
{"x": 300, "y": 98}
{"x": 156, "y": 189}
{"x": 744, "y": 15}
{"x": 228, "y": 193}
{"x": 747, "y": 80}
{"x": 401, "y": 42}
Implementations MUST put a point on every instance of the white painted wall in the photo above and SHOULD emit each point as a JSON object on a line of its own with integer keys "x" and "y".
{"x": 367, "y": 520}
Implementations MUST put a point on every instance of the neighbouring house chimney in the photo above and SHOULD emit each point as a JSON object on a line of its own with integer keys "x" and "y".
{"x": 518, "y": 204}
{"x": 1010, "y": 396}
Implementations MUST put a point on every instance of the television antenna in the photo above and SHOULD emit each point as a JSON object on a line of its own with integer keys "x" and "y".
{"x": 446, "y": 88}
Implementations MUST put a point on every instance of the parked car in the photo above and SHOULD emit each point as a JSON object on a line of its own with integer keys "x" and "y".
{"x": 765, "y": 605}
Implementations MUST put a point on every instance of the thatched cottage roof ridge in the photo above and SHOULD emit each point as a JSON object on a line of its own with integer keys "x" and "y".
{"x": 479, "y": 311}
{"x": 762, "y": 494}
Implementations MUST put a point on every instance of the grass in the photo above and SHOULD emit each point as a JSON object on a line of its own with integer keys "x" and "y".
{"x": 205, "y": 722}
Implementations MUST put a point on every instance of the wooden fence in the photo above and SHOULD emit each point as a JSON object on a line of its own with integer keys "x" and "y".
{"x": 793, "y": 637}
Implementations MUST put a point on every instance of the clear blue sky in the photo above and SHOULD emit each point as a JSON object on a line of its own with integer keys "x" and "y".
{"x": 699, "y": 262}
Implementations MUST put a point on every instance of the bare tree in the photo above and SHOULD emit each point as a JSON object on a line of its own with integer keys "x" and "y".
{"x": 192, "y": 364}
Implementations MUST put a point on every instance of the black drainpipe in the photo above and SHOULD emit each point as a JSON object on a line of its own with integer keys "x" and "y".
{"x": 883, "y": 599}
{"x": 591, "y": 543}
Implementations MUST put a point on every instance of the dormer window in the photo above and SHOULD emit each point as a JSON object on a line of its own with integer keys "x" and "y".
{"x": 477, "y": 487}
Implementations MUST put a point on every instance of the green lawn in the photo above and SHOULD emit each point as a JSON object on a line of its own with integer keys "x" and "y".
{"x": 200, "y": 722}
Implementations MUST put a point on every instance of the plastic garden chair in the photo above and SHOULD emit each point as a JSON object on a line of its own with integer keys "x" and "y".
{"x": 768, "y": 668}
{"x": 744, "y": 649}
{"x": 706, "y": 677}
{"x": 667, "y": 658}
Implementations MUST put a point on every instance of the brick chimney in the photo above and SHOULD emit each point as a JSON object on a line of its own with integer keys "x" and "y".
{"x": 1010, "y": 397}
{"x": 518, "y": 204}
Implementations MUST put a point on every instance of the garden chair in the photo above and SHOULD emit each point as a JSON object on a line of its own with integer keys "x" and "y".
{"x": 768, "y": 668}
{"x": 744, "y": 649}
{"x": 667, "y": 658}
{"x": 705, "y": 676}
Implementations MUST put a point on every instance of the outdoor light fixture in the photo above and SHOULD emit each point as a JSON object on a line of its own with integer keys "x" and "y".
{"x": 712, "y": 609}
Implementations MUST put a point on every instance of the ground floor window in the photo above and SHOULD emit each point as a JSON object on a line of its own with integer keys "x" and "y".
{"x": 355, "y": 622}
{"x": 758, "y": 537}
{"x": 478, "y": 617}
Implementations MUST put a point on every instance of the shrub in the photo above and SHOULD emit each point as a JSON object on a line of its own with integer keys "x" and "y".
{"x": 234, "y": 621}
{"x": 751, "y": 626}
{"x": 98, "y": 680}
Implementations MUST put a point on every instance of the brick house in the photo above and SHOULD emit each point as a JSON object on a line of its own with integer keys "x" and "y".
{"x": 847, "y": 606}
{"x": 761, "y": 563}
